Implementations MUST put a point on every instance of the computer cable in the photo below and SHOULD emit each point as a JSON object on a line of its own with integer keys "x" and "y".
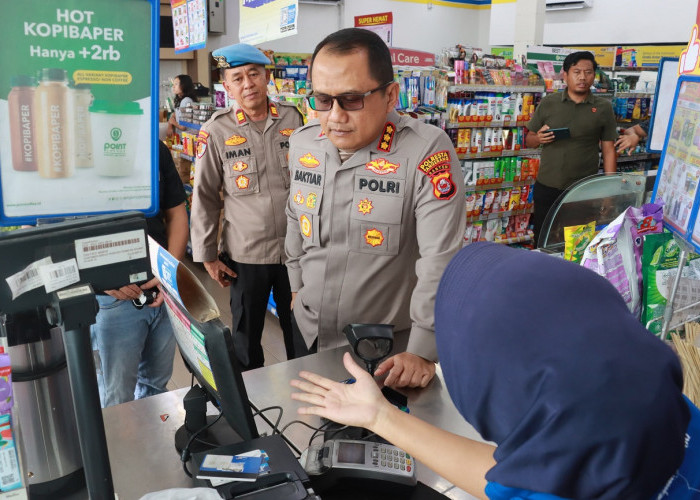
{"x": 275, "y": 429}
{"x": 185, "y": 455}
{"x": 302, "y": 423}
{"x": 325, "y": 427}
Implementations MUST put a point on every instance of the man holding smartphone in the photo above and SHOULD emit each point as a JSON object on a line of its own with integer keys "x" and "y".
{"x": 569, "y": 157}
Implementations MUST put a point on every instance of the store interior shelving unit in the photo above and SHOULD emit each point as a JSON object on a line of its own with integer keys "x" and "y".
{"x": 501, "y": 196}
{"x": 629, "y": 77}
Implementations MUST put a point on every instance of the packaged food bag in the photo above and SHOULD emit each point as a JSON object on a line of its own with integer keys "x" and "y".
{"x": 660, "y": 264}
{"x": 576, "y": 240}
{"x": 616, "y": 252}
{"x": 6, "y": 400}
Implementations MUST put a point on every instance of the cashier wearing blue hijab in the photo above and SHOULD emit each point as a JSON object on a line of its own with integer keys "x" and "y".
{"x": 543, "y": 358}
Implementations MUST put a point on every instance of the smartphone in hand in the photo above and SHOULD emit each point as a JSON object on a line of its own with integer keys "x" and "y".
{"x": 228, "y": 262}
{"x": 560, "y": 133}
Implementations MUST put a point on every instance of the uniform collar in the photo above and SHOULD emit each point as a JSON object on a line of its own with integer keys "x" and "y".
{"x": 383, "y": 144}
{"x": 389, "y": 131}
{"x": 273, "y": 112}
{"x": 565, "y": 97}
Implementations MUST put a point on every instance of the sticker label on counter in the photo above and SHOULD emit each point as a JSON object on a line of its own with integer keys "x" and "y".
{"x": 74, "y": 292}
{"x": 110, "y": 249}
{"x": 27, "y": 279}
{"x": 59, "y": 275}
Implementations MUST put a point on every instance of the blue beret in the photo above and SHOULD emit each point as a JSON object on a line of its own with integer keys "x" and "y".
{"x": 239, "y": 55}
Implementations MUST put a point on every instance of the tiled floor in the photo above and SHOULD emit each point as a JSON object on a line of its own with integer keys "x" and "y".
{"x": 272, "y": 342}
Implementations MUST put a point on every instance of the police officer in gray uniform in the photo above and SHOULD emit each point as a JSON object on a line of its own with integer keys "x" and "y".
{"x": 376, "y": 208}
{"x": 243, "y": 150}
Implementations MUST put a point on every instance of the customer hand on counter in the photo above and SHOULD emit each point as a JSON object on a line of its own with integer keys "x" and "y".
{"x": 406, "y": 370}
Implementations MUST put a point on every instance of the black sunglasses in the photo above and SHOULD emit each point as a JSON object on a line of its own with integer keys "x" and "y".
{"x": 348, "y": 102}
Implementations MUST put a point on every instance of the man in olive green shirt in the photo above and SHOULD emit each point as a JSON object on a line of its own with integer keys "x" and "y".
{"x": 590, "y": 121}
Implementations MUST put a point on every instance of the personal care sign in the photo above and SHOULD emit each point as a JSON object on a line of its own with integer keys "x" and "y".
{"x": 77, "y": 106}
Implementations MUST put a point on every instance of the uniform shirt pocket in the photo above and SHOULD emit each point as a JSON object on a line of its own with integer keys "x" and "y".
{"x": 375, "y": 223}
{"x": 241, "y": 176}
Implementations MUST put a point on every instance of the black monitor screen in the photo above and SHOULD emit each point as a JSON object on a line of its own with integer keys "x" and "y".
{"x": 167, "y": 35}
{"x": 208, "y": 351}
{"x": 105, "y": 251}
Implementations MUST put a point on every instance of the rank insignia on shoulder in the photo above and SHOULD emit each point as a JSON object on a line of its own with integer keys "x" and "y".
{"x": 235, "y": 140}
{"x": 273, "y": 111}
{"x": 387, "y": 137}
{"x": 382, "y": 166}
{"x": 240, "y": 116}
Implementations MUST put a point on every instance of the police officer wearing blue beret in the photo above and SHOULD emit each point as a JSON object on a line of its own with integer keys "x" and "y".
{"x": 242, "y": 152}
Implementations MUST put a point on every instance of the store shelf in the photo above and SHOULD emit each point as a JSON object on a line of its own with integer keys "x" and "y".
{"x": 495, "y": 88}
{"x": 183, "y": 155}
{"x": 193, "y": 126}
{"x": 498, "y": 215}
{"x": 500, "y": 185}
{"x": 633, "y": 94}
{"x": 638, "y": 157}
{"x": 497, "y": 154}
{"x": 628, "y": 122}
{"x": 526, "y": 238}
{"x": 632, "y": 69}
{"x": 489, "y": 124}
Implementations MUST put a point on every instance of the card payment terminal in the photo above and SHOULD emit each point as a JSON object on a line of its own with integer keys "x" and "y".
{"x": 371, "y": 464}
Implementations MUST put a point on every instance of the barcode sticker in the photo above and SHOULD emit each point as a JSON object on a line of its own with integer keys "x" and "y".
{"x": 74, "y": 292}
{"x": 110, "y": 249}
{"x": 27, "y": 279}
{"x": 56, "y": 276}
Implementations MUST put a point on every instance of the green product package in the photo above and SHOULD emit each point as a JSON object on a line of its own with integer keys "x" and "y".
{"x": 660, "y": 266}
{"x": 576, "y": 239}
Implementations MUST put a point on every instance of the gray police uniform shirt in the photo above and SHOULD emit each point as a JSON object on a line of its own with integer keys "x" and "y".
{"x": 251, "y": 167}
{"x": 368, "y": 239}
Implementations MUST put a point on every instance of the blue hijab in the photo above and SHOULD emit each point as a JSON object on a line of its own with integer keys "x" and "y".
{"x": 542, "y": 357}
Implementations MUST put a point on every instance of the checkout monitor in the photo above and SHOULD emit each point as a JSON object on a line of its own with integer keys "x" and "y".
{"x": 207, "y": 349}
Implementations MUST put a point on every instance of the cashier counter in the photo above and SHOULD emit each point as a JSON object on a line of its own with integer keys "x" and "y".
{"x": 140, "y": 434}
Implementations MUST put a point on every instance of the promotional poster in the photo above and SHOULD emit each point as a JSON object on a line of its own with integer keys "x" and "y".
{"x": 77, "y": 108}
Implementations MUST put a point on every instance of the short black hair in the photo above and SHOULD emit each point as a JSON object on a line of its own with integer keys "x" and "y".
{"x": 574, "y": 58}
{"x": 352, "y": 39}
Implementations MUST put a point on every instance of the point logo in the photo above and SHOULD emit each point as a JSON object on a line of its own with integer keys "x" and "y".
{"x": 115, "y": 133}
